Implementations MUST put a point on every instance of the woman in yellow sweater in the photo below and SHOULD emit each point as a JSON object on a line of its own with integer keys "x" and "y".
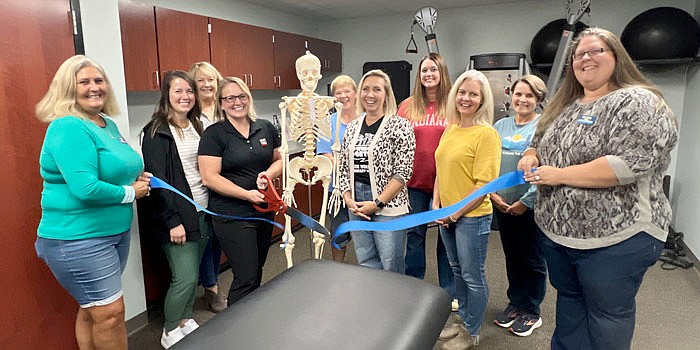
{"x": 467, "y": 158}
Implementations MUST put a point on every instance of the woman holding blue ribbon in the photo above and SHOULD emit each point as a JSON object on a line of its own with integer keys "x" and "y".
{"x": 376, "y": 162}
{"x": 234, "y": 156}
{"x": 467, "y": 158}
{"x": 525, "y": 265}
{"x": 91, "y": 178}
{"x": 599, "y": 155}
{"x": 169, "y": 147}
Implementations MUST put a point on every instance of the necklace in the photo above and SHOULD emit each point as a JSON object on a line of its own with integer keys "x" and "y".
{"x": 106, "y": 128}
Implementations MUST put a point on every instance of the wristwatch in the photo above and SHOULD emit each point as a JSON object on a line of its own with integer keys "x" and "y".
{"x": 379, "y": 203}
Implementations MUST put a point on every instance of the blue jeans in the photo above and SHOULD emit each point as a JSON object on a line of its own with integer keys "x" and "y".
{"x": 89, "y": 269}
{"x": 420, "y": 201}
{"x": 466, "y": 241}
{"x": 211, "y": 259}
{"x": 596, "y": 291}
{"x": 378, "y": 249}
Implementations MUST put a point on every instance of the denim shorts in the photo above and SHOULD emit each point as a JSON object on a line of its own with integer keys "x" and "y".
{"x": 89, "y": 269}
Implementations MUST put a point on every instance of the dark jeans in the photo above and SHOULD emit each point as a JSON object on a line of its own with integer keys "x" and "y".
{"x": 525, "y": 264}
{"x": 245, "y": 244}
{"x": 596, "y": 291}
{"x": 415, "y": 245}
{"x": 211, "y": 260}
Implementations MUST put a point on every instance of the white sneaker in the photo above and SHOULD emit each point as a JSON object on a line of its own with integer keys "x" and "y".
{"x": 169, "y": 339}
{"x": 455, "y": 305}
{"x": 189, "y": 326}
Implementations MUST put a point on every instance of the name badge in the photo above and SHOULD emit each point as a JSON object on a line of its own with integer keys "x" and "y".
{"x": 586, "y": 119}
{"x": 263, "y": 142}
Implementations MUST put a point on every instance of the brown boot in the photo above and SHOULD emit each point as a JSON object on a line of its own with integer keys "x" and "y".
{"x": 463, "y": 341}
{"x": 215, "y": 301}
{"x": 449, "y": 331}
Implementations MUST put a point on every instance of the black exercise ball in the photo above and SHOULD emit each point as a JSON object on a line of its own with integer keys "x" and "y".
{"x": 544, "y": 45}
{"x": 662, "y": 32}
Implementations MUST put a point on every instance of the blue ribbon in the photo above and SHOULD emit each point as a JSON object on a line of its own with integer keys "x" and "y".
{"x": 504, "y": 181}
{"x": 158, "y": 183}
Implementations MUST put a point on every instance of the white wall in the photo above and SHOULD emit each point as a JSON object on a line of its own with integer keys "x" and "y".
{"x": 684, "y": 198}
{"x": 101, "y": 20}
{"x": 510, "y": 27}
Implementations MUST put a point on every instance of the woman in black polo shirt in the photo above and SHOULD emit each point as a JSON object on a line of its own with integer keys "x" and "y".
{"x": 234, "y": 153}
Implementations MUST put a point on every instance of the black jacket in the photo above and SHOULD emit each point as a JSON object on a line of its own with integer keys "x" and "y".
{"x": 164, "y": 208}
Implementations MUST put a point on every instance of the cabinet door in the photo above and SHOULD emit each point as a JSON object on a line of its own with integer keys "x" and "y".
{"x": 288, "y": 47}
{"x": 330, "y": 53}
{"x": 138, "y": 27}
{"x": 243, "y": 51}
{"x": 36, "y": 36}
{"x": 182, "y": 39}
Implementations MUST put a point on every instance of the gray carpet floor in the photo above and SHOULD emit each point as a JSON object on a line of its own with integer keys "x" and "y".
{"x": 668, "y": 303}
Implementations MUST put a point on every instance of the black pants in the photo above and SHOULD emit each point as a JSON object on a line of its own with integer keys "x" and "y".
{"x": 245, "y": 244}
{"x": 525, "y": 263}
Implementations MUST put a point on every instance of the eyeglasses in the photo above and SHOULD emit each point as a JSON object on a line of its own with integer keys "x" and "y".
{"x": 232, "y": 98}
{"x": 591, "y": 53}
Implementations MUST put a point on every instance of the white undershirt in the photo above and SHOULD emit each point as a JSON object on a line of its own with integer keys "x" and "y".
{"x": 188, "y": 156}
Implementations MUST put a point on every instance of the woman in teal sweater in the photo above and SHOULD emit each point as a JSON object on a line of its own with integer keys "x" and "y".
{"x": 91, "y": 177}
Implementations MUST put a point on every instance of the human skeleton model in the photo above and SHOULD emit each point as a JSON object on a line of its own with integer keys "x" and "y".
{"x": 309, "y": 120}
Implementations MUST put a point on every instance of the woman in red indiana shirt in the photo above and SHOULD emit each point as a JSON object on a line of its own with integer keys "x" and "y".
{"x": 425, "y": 109}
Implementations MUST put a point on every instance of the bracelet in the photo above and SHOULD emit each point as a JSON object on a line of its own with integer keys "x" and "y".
{"x": 451, "y": 219}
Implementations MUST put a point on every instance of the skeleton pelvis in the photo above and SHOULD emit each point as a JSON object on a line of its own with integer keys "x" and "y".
{"x": 299, "y": 165}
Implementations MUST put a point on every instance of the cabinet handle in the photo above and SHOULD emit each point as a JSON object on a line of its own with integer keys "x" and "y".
{"x": 156, "y": 79}
{"x": 245, "y": 78}
{"x": 279, "y": 81}
{"x": 251, "y": 80}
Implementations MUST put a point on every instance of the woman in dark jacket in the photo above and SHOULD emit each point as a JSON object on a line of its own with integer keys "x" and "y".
{"x": 169, "y": 149}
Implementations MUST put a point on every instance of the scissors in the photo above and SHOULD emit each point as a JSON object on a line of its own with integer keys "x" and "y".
{"x": 273, "y": 203}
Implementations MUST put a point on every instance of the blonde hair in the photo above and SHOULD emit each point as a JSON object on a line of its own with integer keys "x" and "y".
{"x": 389, "y": 99}
{"x": 625, "y": 74}
{"x": 207, "y": 69}
{"x": 416, "y": 106}
{"x": 343, "y": 80}
{"x": 219, "y": 113}
{"x": 484, "y": 114}
{"x": 60, "y": 100}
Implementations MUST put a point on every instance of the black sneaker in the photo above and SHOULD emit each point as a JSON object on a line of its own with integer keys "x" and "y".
{"x": 525, "y": 325}
{"x": 506, "y": 317}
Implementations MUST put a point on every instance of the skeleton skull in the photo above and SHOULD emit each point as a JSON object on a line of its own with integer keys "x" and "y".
{"x": 308, "y": 71}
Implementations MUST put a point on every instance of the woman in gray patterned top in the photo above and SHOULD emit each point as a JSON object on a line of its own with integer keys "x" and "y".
{"x": 598, "y": 157}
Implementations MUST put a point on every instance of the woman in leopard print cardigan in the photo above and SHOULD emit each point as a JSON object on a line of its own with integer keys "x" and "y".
{"x": 376, "y": 162}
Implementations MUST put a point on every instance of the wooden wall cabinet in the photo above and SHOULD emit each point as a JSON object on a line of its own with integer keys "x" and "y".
{"x": 329, "y": 53}
{"x": 138, "y": 28}
{"x": 183, "y": 39}
{"x": 287, "y": 48}
{"x": 156, "y": 40}
{"x": 243, "y": 51}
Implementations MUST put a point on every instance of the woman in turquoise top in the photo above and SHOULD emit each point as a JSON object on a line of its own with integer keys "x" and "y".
{"x": 91, "y": 177}
{"x": 525, "y": 265}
